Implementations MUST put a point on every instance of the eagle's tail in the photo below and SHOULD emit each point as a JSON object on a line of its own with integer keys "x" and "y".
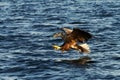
{"x": 84, "y": 48}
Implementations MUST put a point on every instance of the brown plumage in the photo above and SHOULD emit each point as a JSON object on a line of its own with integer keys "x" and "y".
{"x": 72, "y": 37}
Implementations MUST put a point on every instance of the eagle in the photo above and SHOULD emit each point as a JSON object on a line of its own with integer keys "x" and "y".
{"x": 72, "y": 38}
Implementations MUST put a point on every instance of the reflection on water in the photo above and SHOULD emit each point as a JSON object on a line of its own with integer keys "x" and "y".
{"x": 81, "y": 61}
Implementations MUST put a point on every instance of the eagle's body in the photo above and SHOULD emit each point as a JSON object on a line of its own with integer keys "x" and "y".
{"x": 71, "y": 39}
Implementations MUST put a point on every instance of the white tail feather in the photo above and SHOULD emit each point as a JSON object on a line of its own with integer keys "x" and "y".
{"x": 86, "y": 48}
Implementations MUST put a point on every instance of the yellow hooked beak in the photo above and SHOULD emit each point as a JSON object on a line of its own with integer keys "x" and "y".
{"x": 56, "y": 47}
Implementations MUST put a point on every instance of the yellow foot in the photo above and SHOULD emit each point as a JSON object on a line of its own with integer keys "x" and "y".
{"x": 56, "y": 47}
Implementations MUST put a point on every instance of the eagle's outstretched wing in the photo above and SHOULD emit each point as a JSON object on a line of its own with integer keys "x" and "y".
{"x": 80, "y": 35}
{"x": 74, "y": 34}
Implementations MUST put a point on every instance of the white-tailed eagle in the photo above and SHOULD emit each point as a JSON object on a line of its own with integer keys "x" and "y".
{"x": 71, "y": 39}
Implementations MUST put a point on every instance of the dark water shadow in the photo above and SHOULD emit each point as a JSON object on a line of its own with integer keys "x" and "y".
{"x": 115, "y": 58}
{"x": 80, "y": 61}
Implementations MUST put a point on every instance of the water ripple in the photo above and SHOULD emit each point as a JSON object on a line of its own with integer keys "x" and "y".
{"x": 26, "y": 30}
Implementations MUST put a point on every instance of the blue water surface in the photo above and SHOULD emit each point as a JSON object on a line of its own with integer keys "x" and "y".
{"x": 26, "y": 29}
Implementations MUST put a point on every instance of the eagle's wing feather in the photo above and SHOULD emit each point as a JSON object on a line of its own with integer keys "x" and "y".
{"x": 66, "y": 30}
{"x": 80, "y": 35}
